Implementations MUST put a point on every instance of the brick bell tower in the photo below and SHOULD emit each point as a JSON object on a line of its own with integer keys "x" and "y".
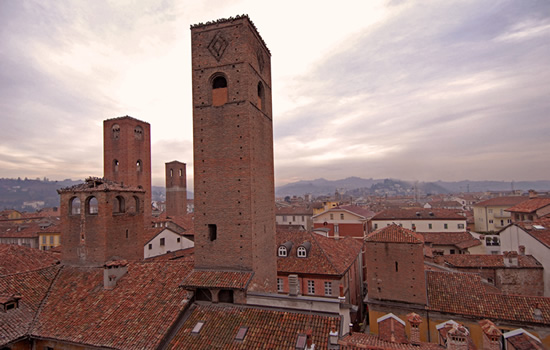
{"x": 233, "y": 151}
{"x": 127, "y": 155}
{"x": 176, "y": 189}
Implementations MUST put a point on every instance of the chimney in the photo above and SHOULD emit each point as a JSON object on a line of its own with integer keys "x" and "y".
{"x": 342, "y": 297}
{"x": 414, "y": 320}
{"x": 491, "y": 335}
{"x": 391, "y": 328}
{"x": 333, "y": 336}
{"x": 309, "y": 340}
{"x": 521, "y": 249}
{"x": 113, "y": 271}
{"x": 457, "y": 338}
{"x": 293, "y": 285}
{"x": 532, "y": 194}
{"x": 510, "y": 259}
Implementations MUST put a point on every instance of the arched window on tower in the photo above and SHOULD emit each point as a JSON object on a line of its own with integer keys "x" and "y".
{"x": 261, "y": 96}
{"x": 92, "y": 207}
{"x": 74, "y": 206}
{"x": 138, "y": 132}
{"x": 219, "y": 90}
{"x": 115, "y": 130}
{"x": 171, "y": 173}
{"x": 115, "y": 165}
{"x": 136, "y": 204}
{"x": 119, "y": 205}
{"x": 139, "y": 166}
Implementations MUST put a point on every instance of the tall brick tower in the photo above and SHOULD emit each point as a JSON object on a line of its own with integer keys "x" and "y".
{"x": 101, "y": 220}
{"x": 233, "y": 151}
{"x": 176, "y": 189}
{"x": 127, "y": 155}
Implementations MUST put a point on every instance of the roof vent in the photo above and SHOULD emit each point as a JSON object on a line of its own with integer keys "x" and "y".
{"x": 9, "y": 302}
{"x": 113, "y": 271}
{"x": 293, "y": 285}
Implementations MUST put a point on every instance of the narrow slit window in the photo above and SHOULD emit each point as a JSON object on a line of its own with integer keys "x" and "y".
{"x": 212, "y": 232}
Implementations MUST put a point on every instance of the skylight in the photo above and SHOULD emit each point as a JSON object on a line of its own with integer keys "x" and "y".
{"x": 197, "y": 328}
{"x": 241, "y": 333}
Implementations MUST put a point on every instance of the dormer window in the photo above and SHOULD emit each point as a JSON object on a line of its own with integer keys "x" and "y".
{"x": 303, "y": 250}
{"x": 9, "y": 302}
{"x": 284, "y": 249}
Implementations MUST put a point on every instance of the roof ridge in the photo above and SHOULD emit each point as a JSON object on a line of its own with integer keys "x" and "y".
{"x": 43, "y": 301}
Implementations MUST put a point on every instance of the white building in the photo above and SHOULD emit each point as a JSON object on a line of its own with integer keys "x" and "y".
{"x": 420, "y": 220}
{"x": 165, "y": 240}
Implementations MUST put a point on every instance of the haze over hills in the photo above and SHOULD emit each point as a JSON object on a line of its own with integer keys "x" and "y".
{"x": 358, "y": 185}
{"x": 32, "y": 194}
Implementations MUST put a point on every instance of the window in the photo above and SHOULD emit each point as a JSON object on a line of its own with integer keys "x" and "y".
{"x": 43, "y": 239}
{"x": 92, "y": 205}
{"x": 302, "y": 252}
{"x": 375, "y": 226}
{"x": 261, "y": 96}
{"x": 336, "y": 229}
{"x": 293, "y": 218}
{"x": 430, "y": 226}
{"x": 115, "y": 165}
{"x": 328, "y": 288}
{"x": 241, "y": 333}
{"x": 460, "y": 226}
{"x": 138, "y": 166}
{"x": 310, "y": 287}
{"x": 136, "y": 203}
{"x": 115, "y": 129}
{"x": 279, "y": 284}
{"x": 501, "y": 222}
{"x": 219, "y": 91}
{"x": 490, "y": 211}
{"x": 74, "y": 205}
{"x": 414, "y": 227}
{"x": 197, "y": 328}
{"x": 452, "y": 251}
{"x": 150, "y": 246}
{"x": 342, "y": 216}
{"x": 162, "y": 242}
{"x": 212, "y": 232}
{"x": 282, "y": 251}
{"x": 284, "y": 218}
{"x": 51, "y": 239}
{"x": 332, "y": 216}
{"x": 138, "y": 132}
{"x": 491, "y": 221}
{"x": 118, "y": 205}
{"x": 445, "y": 226}
{"x": 178, "y": 239}
{"x": 396, "y": 266}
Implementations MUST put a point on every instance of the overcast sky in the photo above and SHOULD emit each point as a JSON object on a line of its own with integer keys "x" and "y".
{"x": 415, "y": 90}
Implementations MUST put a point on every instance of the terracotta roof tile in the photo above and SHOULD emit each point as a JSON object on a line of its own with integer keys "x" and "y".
{"x": 79, "y": 310}
{"x": 327, "y": 256}
{"x": 539, "y": 229}
{"x": 488, "y": 261}
{"x": 418, "y": 214}
{"x": 394, "y": 234}
{"x": 16, "y": 258}
{"x": 267, "y": 328}
{"x": 370, "y": 341}
{"x": 508, "y": 201}
{"x": 464, "y": 294}
{"x": 32, "y": 286}
{"x": 447, "y": 238}
{"x": 217, "y": 279}
{"x": 530, "y": 205}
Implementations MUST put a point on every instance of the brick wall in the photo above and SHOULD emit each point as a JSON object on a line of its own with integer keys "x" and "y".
{"x": 233, "y": 152}
{"x": 176, "y": 189}
{"x": 128, "y": 140}
{"x": 395, "y": 271}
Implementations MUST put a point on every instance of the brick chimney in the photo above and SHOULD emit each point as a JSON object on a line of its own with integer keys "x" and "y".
{"x": 457, "y": 338}
{"x": 113, "y": 272}
{"x": 414, "y": 320}
{"x": 391, "y": 328}
{"x": 491, "y": 335}
{"x": 510, "y": 259}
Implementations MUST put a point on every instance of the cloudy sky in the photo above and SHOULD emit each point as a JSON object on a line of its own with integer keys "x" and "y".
{"x": 415, "y": 90}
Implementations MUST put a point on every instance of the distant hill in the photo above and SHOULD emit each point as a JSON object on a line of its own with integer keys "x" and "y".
{"x": 30, "y": 195}
{"x": 357, "y": 186}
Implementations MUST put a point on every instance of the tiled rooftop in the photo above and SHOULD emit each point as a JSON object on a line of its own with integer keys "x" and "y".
{"x": 508, "y": 201}
{"x": 327, "y": 256}
{"x": 539, "y": 229}
{"x": 33, "y": 287}
{"x": 448, "y": 238}
{"x": 530, "y": 205}
{"x": 371, "y": 341}
{"x": 488, "y": 261}
{"x": 16, "y": 258}
{"x": 418, "y": 214}
{"x": 394, "y": 234}
{"x": 267, "y": 328}
{"x": 464, "y": 294}
{"x": 217, "y": 279}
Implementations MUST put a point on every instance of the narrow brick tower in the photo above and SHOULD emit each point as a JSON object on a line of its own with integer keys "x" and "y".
{"x": 127, "y": 155}
{"x": 176, "y": 189}
{"x": 233, "y": 151}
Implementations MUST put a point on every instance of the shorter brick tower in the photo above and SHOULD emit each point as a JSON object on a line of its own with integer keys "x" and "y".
{"x": 176, "y": 189}
{"x": 395, "y": 265}
{"x": 101, "y": 221}
{"x": 127, "y": 155}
